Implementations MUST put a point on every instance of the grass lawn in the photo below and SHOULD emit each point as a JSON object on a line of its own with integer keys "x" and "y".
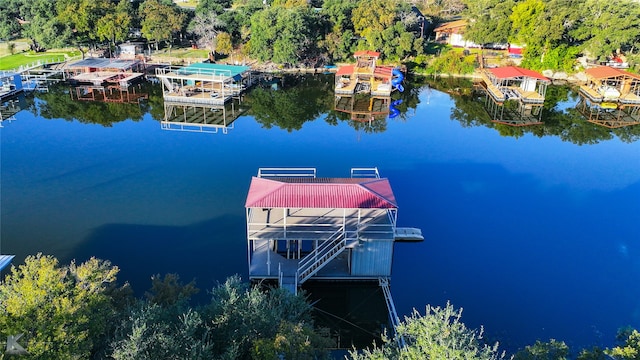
{"x": 9, "y": 62}
{"x": 183, "y": 53}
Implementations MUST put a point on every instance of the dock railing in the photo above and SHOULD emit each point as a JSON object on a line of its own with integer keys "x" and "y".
{"x": 320, "y": 256}
{"x": 365, "y": 173}
{"x": 287, "y": 172}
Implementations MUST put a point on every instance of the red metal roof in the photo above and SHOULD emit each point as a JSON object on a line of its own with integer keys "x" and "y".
{"x": 605, "y": 72}
{"x": 383, "y": 71}
{"x": 367, "y": 53}
{"x": 345, "y": 70}
{"x": 509, "y": 72}
{"x": 321, "y": 193}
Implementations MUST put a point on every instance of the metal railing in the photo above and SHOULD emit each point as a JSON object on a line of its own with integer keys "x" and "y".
{"x": 287, "y": 172}
{"x": 326, "y": 251}
{"x": 365, "y": 173}
{"x": 393, "y": 315}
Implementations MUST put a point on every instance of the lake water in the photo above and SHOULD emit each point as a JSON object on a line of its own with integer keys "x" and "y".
{"x": 536, "y": 234}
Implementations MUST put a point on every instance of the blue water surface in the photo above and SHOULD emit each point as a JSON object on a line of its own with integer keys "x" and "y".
{"x": 535, "y": 237}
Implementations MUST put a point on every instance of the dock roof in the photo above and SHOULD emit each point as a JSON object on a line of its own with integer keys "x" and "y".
{"x": 366, "y": 53}
{"x": 214, "y": 69}
{"x": 606, "y": 72}
{"x": 509, "y": 72}
{"x": 343, "y": 193}
{"x": 101, "y": 63}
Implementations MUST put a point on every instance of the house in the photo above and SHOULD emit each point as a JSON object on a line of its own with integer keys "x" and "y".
{"x": 452, "y": 33}
{"x": 130, "y": 50}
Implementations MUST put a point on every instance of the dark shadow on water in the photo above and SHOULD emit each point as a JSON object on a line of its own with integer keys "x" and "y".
{"x": 207, "y": 251}
{"x": 354, "y": 312}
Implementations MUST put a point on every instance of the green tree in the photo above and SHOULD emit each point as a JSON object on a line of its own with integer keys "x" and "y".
{"x": 439, "y": 334}
{"x": 488, "y": 21}
{"x": 114, "y": 26}
{"x": 170, "y": 290}
{"x": 239, "y": 320}
{"x": 63, "y": 312}
{"x": 86, "y": 18}
{"x": 207, "y": 26}
{"x": 224, "y": 44}
{"x": 207, "y": 6}
{"x": 371, "y": 18}
{"x": 594, "y": 354}
{"x": 160, "y": 21}
{"x": 552, "y": 350}
{"x": 9, "y": 15}
{"x": 608, "y": 26}
{"x": 285, "y": 35}
{"x": 630, "y": 347}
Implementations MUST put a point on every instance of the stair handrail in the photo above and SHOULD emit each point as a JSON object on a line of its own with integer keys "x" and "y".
{"x": 320, "y": 255}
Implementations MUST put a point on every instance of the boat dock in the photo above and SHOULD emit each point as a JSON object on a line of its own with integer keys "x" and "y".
{"x": 204, "y": 83}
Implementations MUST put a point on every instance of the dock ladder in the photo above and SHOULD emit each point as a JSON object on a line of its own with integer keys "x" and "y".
{"x": 393, "y": 315}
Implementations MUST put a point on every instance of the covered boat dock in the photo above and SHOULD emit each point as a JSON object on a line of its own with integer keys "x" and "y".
{"x": 525, "y": 89}
{"x": 611, "y": 97}
{"x": 204, "y": 83}
{"x": 100, "y": 71}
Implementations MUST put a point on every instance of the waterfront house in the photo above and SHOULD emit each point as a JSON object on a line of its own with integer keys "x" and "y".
{"x": 452, "y": 33}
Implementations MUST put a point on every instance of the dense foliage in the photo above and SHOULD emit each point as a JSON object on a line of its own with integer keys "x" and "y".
{"x": 78, "y": 312}
{"x": 439, "y": 334}
{"x": 557, "y": 32}
{"x": 310, "y": 33}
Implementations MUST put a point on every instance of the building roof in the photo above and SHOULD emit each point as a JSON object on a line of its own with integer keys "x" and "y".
{"x": 321, "y": 193}
{"x": 367, "y": 53}
{"x": 451, "y": 26}
{"x": 213, "y": 69}
{"x": 102, "y": 63}
{"x": 605, "y": 72}
{"x": 510, "y": 72}
{"x": 345, "y": 70}
{"x": 5, "y": 260}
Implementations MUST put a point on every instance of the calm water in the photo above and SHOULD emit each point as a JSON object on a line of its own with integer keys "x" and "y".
{"x": 536, "y": 234}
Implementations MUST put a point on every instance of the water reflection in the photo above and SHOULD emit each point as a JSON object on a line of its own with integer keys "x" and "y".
{"x": 560, "y": 115}
{"x": 10, "y": 108}
{"x": 110, "y": 93}
{"x": 210, "y": 118}
{"x": 609, "y": 115}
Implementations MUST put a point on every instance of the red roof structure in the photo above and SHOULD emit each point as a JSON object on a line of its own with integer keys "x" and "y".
{"x": 366, "y": 53}
{"x": 605, "y": 72}
{"x": 345, "y": 70}
{"x": 321, "y": 193}
{"x": 510, "y": 72}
